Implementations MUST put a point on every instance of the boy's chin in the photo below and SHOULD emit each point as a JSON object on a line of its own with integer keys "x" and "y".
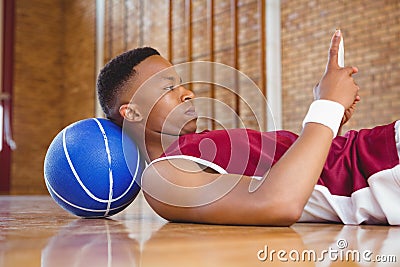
{"x": 189, "y": 127}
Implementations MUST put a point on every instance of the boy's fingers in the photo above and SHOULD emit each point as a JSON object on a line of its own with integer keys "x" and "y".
{"x": 351, "y": 70}
{"x": 333, "y": 50}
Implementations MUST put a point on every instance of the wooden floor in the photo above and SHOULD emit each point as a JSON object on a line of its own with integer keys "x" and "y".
{"x": 34, "y": 231}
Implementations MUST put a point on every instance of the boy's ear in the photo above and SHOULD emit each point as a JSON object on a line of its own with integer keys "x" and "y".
{"x": 131, "y": 112}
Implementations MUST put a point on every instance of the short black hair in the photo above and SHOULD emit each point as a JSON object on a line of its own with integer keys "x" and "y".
{"x": 115, "y": 74}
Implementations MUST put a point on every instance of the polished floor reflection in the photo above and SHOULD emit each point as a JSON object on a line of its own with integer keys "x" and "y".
{"x": 34, "y": 231}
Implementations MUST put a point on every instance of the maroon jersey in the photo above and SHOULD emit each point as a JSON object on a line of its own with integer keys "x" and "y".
{"x": 352, "y": 159}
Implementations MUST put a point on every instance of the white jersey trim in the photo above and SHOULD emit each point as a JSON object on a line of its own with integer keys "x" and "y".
{"x": 376, "y": 204}
{"x": 207, "y": 163}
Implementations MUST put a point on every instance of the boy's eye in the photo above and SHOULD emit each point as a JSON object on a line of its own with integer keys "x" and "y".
{"x": 172, "y": 87}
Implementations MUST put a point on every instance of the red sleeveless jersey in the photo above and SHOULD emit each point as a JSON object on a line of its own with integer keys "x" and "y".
{"x": 352, "y": 159}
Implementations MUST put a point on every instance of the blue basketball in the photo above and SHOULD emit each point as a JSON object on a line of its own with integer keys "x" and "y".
{"x": 86, "y": 172}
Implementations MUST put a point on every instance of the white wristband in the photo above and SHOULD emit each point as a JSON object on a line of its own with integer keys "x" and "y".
{"x": 325, "y": 112}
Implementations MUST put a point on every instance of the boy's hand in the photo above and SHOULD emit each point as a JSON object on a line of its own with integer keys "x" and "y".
{"x": 337, "y": 83}
{"x": 350, "y": 111}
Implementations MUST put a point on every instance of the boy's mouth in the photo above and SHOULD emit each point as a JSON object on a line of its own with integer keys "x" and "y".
{"x": 191, "y": 112}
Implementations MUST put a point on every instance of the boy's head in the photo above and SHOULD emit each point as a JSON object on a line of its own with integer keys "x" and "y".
{"x": 143, "y": 87}
{"x": 113, "y": 78}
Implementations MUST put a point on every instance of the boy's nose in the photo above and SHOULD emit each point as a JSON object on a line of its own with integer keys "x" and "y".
{"x": 187, "y": 94}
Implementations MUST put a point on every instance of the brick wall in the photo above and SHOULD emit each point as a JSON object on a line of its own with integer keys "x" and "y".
{"x": 371, "y": 30}
{"x": 78, "y": 56}
{"x": 37, "y": 90}
{"x": 53, "y": 81}
{"x": 149, "y": 26}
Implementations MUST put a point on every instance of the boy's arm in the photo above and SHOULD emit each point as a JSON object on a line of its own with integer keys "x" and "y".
{"x": 280, "y": 199}
{"x": 173, "y": 187}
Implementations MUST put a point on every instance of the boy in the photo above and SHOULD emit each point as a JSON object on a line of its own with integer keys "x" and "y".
{"x": 211, "y": 177}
